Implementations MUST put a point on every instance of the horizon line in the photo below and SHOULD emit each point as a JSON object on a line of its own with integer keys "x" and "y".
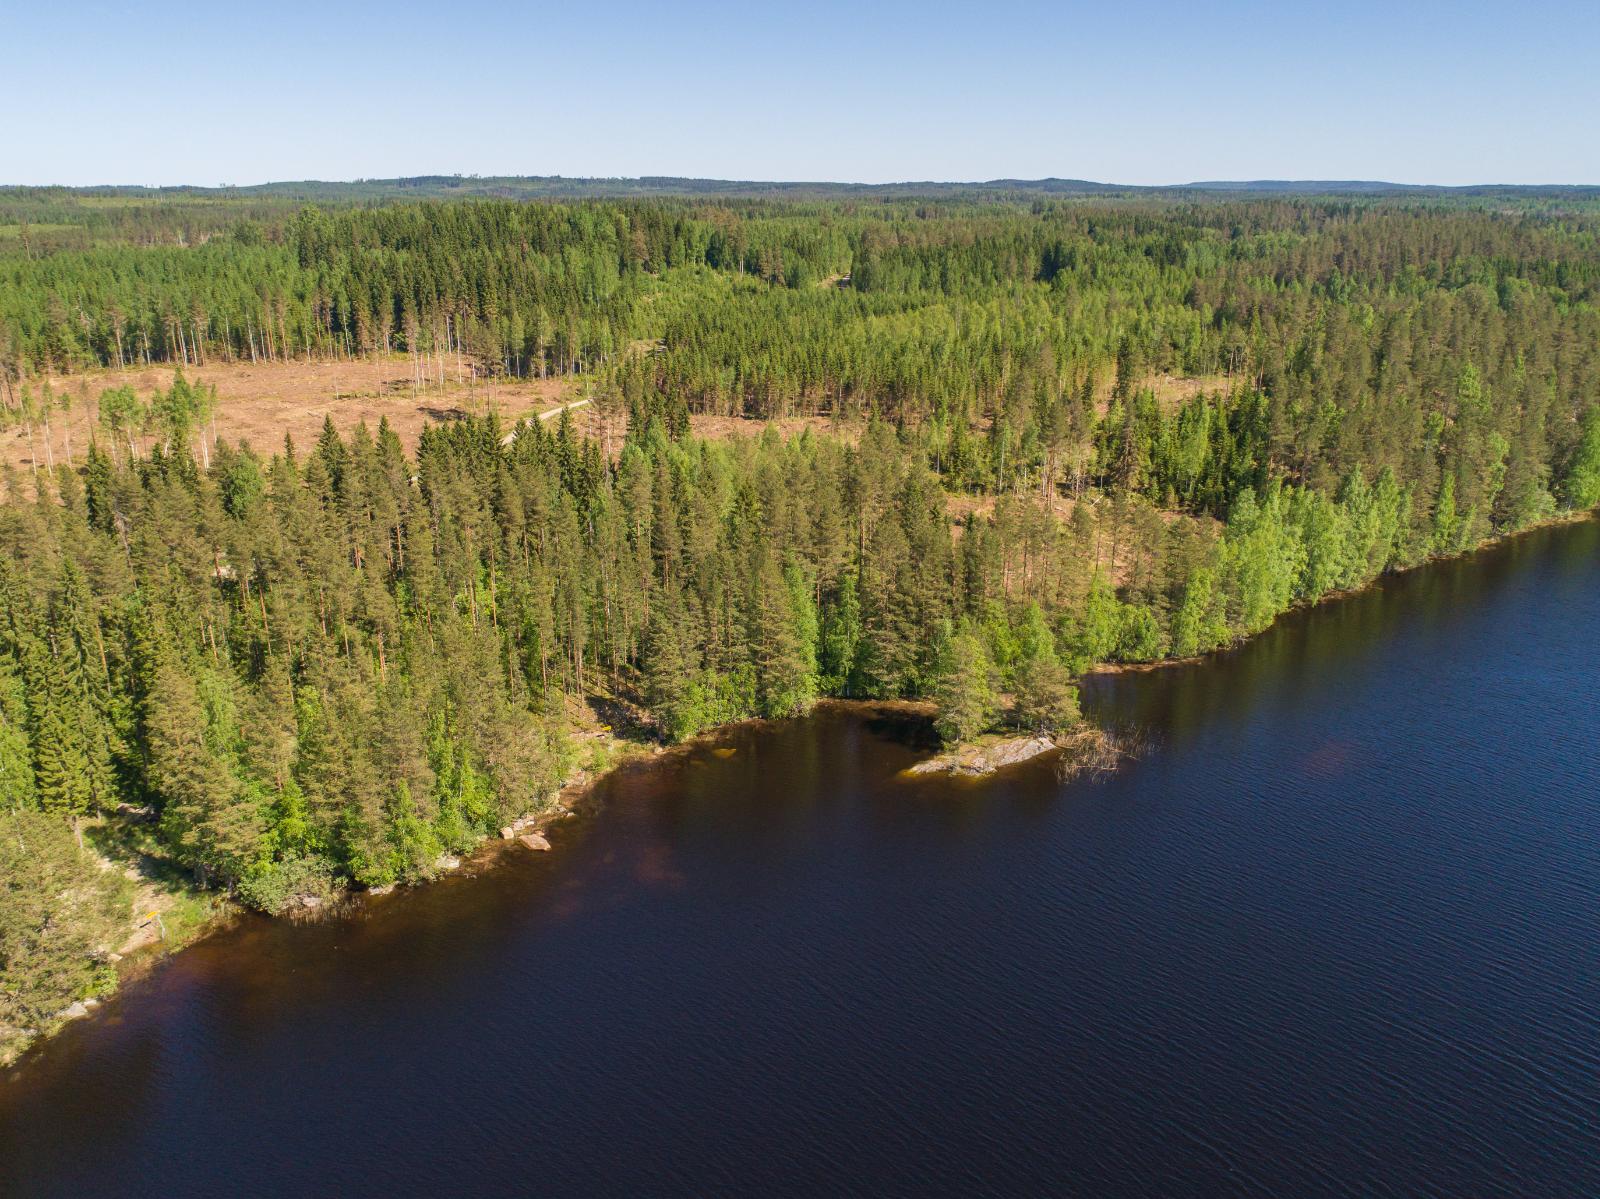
{"x": 1259, "y": 183}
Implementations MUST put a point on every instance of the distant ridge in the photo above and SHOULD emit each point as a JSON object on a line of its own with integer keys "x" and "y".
{"x": 557, "y": 186}
{"x": 1378, "y": 187}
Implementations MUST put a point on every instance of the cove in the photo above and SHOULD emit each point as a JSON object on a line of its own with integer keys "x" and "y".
{"x": 1336, "y": 929}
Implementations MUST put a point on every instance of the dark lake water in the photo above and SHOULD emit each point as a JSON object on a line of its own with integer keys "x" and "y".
{"x": 1337, "y": 930}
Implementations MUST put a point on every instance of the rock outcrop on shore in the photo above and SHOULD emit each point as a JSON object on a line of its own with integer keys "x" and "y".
{"x": 1083, "y": 748}
{"x": 523, "y": 824}
{"x": 986, "y": 759}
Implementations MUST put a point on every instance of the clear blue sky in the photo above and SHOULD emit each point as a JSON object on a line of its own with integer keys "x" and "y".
{"x": 1147, "y": 91}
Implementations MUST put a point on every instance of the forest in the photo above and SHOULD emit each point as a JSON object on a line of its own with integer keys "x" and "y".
{"x": 1049, "y": 433}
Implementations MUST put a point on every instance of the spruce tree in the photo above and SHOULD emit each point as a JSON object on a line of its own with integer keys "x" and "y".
{"x": 783, "y": 643}
{"x": 963, "y": 690}
{"x": 205, "y": 815}
{"x": 16, "y": 761}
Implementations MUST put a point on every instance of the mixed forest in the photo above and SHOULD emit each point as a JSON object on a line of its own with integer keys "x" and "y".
{"x": 290, "y": 668}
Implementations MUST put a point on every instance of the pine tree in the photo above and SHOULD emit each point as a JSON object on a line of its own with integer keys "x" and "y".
{"x": 1045, "y": 699}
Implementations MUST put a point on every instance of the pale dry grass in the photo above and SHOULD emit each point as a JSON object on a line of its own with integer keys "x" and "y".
{"x": 1171, "y": 391}
{"x": 722, "y": 428}
{"x": 1174, "y": 391}
{"x": 260, "y": 403}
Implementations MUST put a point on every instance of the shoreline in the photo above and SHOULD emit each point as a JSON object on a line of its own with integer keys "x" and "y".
{"x": 1106, "y": 669}
{"x": 138, "y": 956}
{"x": 141, "y": 953}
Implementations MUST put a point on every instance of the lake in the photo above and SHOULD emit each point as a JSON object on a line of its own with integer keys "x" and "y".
{"x": 1335, "y": 930}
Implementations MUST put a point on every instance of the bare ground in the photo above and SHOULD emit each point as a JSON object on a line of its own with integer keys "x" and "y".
{"x": 720, "y": 428}
{"x": 1171, "y": 391}
{"x": 261, "y": 402}
{"x": 1174, "y": 391}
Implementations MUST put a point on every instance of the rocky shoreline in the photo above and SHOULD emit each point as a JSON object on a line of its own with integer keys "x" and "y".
{"x": 985, "y": 758}
{"x": 1083, "y": 749}
{"x": 148, "y": 942}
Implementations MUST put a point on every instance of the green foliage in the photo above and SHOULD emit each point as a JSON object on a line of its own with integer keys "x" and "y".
{"x": 206, "y": 814}
{"x": 783, "y": 641}
{"x": 16, "y": 758}
{"x": 1448, "y": 527}
{"x": 1324, "y": 530}
{"x": 1140, "y": 637}
{"x": 277, "y": 887}
{"x": 1200, "y": 624}
{"x": 1162, "y": 424}
{"x": 122, "y": 415}
{"x": 1582, "y": 486}
{"x": 963, "y": 690}
{"x": 1099, "y": 626}
{"x": 840, "y": 638}
{"x": 60, "y": 914}
{"x": 1262, "y": 561}
{"x": 175, "y": 413}
{"x": 673, "y": 686}
{"x": 1043, "y": 697}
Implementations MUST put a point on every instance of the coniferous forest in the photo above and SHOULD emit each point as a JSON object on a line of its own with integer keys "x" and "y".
{"x": 288, "y": 668}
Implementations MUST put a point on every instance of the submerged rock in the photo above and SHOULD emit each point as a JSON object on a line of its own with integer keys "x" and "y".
{"x": 80, "y": 1009}
{"x": 521, "y": 824}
